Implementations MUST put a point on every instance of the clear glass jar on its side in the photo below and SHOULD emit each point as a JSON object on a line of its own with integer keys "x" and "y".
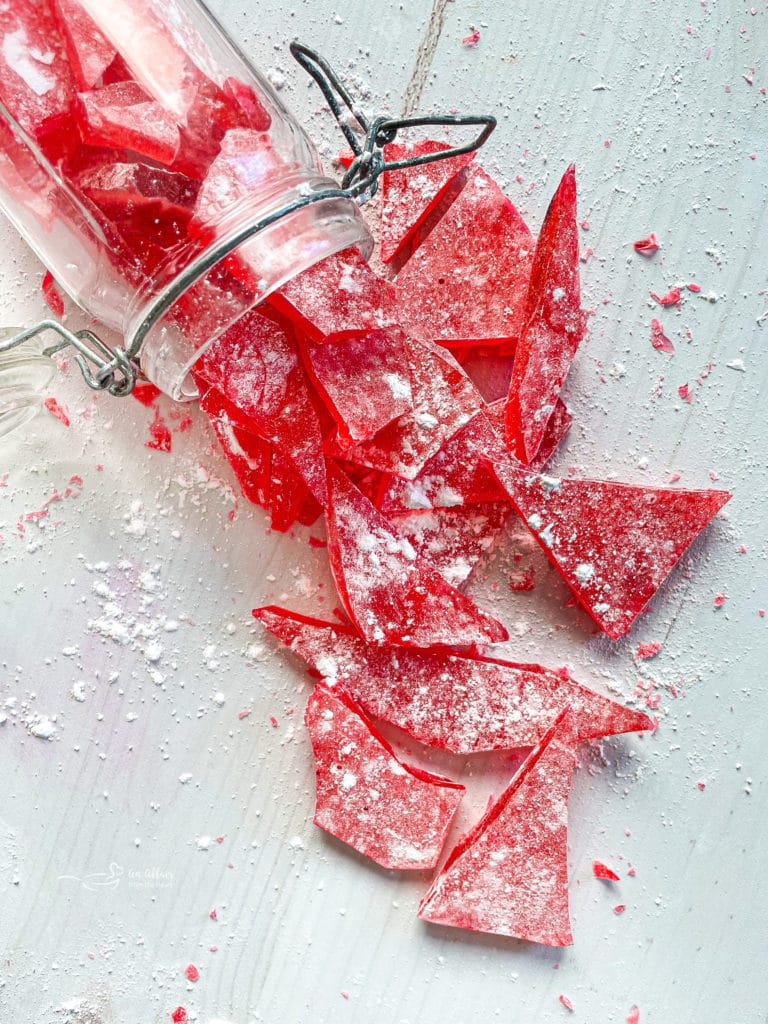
{"x": 136, "y": 145}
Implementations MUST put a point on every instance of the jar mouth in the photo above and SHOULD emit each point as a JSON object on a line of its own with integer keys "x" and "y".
{"x": 236, "y": 271}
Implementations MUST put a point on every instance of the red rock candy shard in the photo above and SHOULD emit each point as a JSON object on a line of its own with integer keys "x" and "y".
{"x": 554, "y": 325}
{"x": 290, "y": 500}
{"x": 558, "y": 425}
{"x": 122, "y": 116}
{"x": 509, "y": 875}
{"x": 89, "y": 53}
{"x": 393, "y": 813}
{"x": 452, "y": 701}
{"x": 152, "y": 51}
{"x": 410, "y": 194}
{"x": 444, "y": 399}
{"x": 456, "y": 475}
{"x": 256, "y": 367}
{"x": 614, "y": 544}
{"x": 363, "y": 379}
{"x": 36, "y": 82}
{"x": 391, "y": 594}
{"x": 467, "y": 281}
{"x": 453, "y": 540}
{"x": 340, "y": 295}
{"x": 248, "y": 455}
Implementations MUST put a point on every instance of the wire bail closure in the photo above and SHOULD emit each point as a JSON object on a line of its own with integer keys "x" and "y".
{"x": 116, "y": 370}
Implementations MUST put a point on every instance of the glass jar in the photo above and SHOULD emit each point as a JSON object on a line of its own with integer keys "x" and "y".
{"x": 138, "y": 149}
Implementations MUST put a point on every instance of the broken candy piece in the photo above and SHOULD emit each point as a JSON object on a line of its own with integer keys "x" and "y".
{"x": 467, "y": 281}
{"x": 364, "y": 380}
{"x": 659, "y": 340}
{"x": 410, "y": 194}
{"x": 646, "y": 246}
{"x": 248, "y": 455}
{"x": 444, "y": 399}
{"x": 256, "y": 367}
{"x": 452, "y": 701}
{"x": 391, "y": 594}
{"x": 396, "y": 814}
{"x": 453, "y": 540}
{"x": 600, "y": 870}
{"x": 122, "y": 116}
{"x": 558, "y": 425}
{"x": 554, "y": 325}
{"x": 36, "y": 82}
{"x": 614, "y": 544}
{"x": 338, "y": 296}
{"x": 509, "y": 874}
{"x": 150, "y": 49}
{"x": 456, "y": 475}
{"x": 89, "y": 53}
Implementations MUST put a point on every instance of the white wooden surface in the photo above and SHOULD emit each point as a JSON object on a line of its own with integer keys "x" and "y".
{"x": 105, "y": 891}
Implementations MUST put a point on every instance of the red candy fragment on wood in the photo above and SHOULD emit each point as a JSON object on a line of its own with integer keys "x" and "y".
{"x": 451, "y": 701}
{"x": 159, "y": 434}
{"x": 614, "y": 544}
{"x": 393, "y": 813}
{"x": 670, "y": 298}
{"x": 145, "y": 393}
{"x": 647, "y": 246}
{"x": 600, "y": 870}
{"x": 509, "y": 875}
{"x": 554, "y": 325}
{"x": 457, "y": 293}
{"x": 659, "y": 340}
{"x": 363, "y": 379}
{"x": 645, "y": 651}
{"x": 338, "y": 296}
{"x": 566, "y": 1002}
{"x": 633, "y": 1017}
{"x": 179, "y": 1015}
{"x": 52, "y": 295}
{"x": 390, "y": 593}
{"x": 192, "y": 972}
{"x": 410, "y": 194}
{"x": 56, "y": 410}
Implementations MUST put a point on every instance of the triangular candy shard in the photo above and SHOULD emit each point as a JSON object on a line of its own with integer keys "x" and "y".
{"x": 444, "y": 399}
{"x": 340, "y": 295}
{"x": 509, "y": 875}
{"x": 410, "y": 193}
{"x": 467, "y": 282}
{"x": 614, "y": 544}
{"x": 363, "y": 379}
{"x": 391, "y": 594}
{"x": 455, "y": 702}
{"x": 389, "y": 811}
{"x": 554, "y": 325}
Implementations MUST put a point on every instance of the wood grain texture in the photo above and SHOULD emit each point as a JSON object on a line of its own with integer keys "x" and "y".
{"x": 105, "y": 886}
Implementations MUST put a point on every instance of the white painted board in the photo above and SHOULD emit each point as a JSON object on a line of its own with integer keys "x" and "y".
{"x": 125, "y": 613}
